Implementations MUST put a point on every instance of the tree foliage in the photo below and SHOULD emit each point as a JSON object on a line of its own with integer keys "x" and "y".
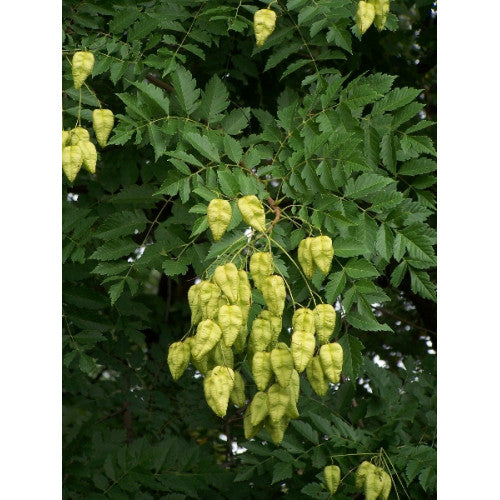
{"x": 334, "y": 132}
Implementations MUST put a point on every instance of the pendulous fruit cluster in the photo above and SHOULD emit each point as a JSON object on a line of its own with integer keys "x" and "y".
{"x": 372, "y": 12}
{"x": 374, "y": 481}
{"x": 315, "y": 253}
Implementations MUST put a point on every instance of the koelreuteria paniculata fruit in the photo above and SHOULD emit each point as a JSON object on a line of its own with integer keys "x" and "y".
{"x": 219, "y": 215}
{"x": 331, "y": 473}
{"x": 81, "y": 67}
{"x": 264, "y": 21}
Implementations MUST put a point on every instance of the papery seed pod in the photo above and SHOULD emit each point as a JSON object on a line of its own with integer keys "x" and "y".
{"x": 331, "y": 358}
{"x": 322, "y": 253}
{"x": 259, "y": 408}
{"x": 72, "y": 159}
{"x": 276, "y": 323}
{"x": 89, "y": 154}
{"x": 78, "y": 134}
{"x": 261, "y": 335}
{"x": 226, "y": 277}
{"x": 303, "y": 319}
{"x": 203, "y": 364}
{"x": 305, "y": 257}
{"x": 65, "y": 138}
{"x": 264, "y": 21}
{"x": 194, "y": 303}
{"x": 207, "y": 335}
{"x": 316, "y": 377}
{"x": 282, "y": 363}
{"x": 324, "y": 321}
{"x": 261, "y": 266}
{"x": 217, "y": 386}
{"x": 81, "y": 67}
{"x": 230, "y": 320}
{"x": 244, "y": 293}
{"x": 331, "y": 474}
{"x": 281, "y": 346}
{"x": 237, "y": 396}
{"x": 219, "y": 214}
{"x": 373, "y": 484}
{"x": 249, "y": 429}
{"x": 382, "y": 8}
{"x": 262, "y": 369}
{"x": 178, "y": 358}
{"x": 252, "y": 212}
{"x": 276, "y": 429}
{"x": 241, "y": 339}
{"x": 295, "y": 385}
{"x": 279, "y": 399}
{"x": 274, "y": 293}
{"x": 386, "y": 486}
{"x": 303, "y": 345}
{"x": 209, "y": 295}
{"x": 364, "y": 16}
{"x": 361, "y": 472}
{"x": 222, "y": 355}
{"x": 291, "y": 409}
{"x": 103, "y": 121}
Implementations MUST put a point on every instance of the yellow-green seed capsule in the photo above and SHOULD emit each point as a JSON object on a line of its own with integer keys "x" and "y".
{"x": 261, "y": 335}
{"x": 194, "y": 303}
{"x": 279, "y": 399}
{"x": 331, "y": 358}
{"x": 222, "y": 355}
{"x": 230, "y": 320}
{"x": 295, "y": 385}
{"x": 259, "y": 408}
{"x": 219, "y": 214}
{"x": 303, "y": 319}
{"x": 72, "y": 160}
{"x": 209, "y": 295}
{"x": 89, "y": 154}
{"x": 364, "y": 16}
{"x": 81, "y": 68}
{"x": 103, "y": 121}
{"x": 305, "y": 257}
{"x": 226, "y": 277}
{"x": 262, "y": 369}
{"x": 282, "y": 363}
{"x": 303, "y": 345}
{"x": 322, "y": 253}
{"x": 65, "y": 138}
{"x": 237, "y": 396}
{"x": 264, "y": 21}
{"x": 241, "y": 339}
{"x": 277, "y": 429}
{"x": 331, "y": 474}
{"x": 373, "y": 484}
{"x": 291, "y": 409}
{"x": 274, "y": 293}
{"x": 361, "y": 472}
{"x": 324, "y": 322}
{"x": 244, "y": 293}
{"x": 205, "y": 363}
{"x": 382, "y": 8}
{"x": 386, "y": 486}
{"x": 178, "y": 358}
{"x": 207, "y": 335}
{"x": 316, "y": 377}
{"x": 78, "y": 134}
{"x": 217, "y": 386}
{"x": 252, "y": 212}
{"x": 249, "y": 429}
{"x": 261, "y": 266}
{"x": 276, "y": 323}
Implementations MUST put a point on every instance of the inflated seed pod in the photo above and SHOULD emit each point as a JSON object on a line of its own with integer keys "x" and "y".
{"x": 324, "y": 321}
{"x": 72, "y": 160}
{"x": 291, "y": 409}
{"x": 203, "y": 364}
{"x": 65, "y": 138}
{"x": 249, "y": 429}
{"x": 89, "y": 154}
{"x": 386, "y": 486}
{"x": 331, "y": 473}
{"x": 81, "y": 68}
{"x": 382, "y": 8}
{"x": 276, "y": 323}
{"x": 217, "y": 386}
{"x": 178, "y": 358}
{"x": 303, "y": 319}
{"x": 208, "y": 333}
{"x": 322, "y": 253}
{"x": 316, "y": 377}
{"x": 226, "y": 277}
{"x": 261, "y": 266}
{"x": 237, "y": 396}
{"x": 295, "y": 385}
{"x": 279, "y": 399}
{"x": 305, "y": 257}
{"x": 303, "y": 345}
{"x": 264, "y": 21}
{"x": 244, "y": 293}
{"x": 241, "y": 339}
{"x": 78, "y": 134}
{"x": 230, "y": 320}
{"x": 261, "y": 335}
{"x": 262, "y": 369}
{"x": 259, "y": 408}
{"x": 373, "y": 484}
{"x": 209, "y": 295}
{"x": 331, "y": 358}
{"x": 282, "y": 364}
{"x": 194, "y": 303}
{"x": 364, "y": 16}
{"x": 219, "y": 214}
{"x": 252, "y": 212}
{"x": 274, "y": 293}
{"x": 276, "y": 429}
{"x": 222, "y": 355}
{"x": 103, "y": 121}
{"x": 361, "y": 472}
